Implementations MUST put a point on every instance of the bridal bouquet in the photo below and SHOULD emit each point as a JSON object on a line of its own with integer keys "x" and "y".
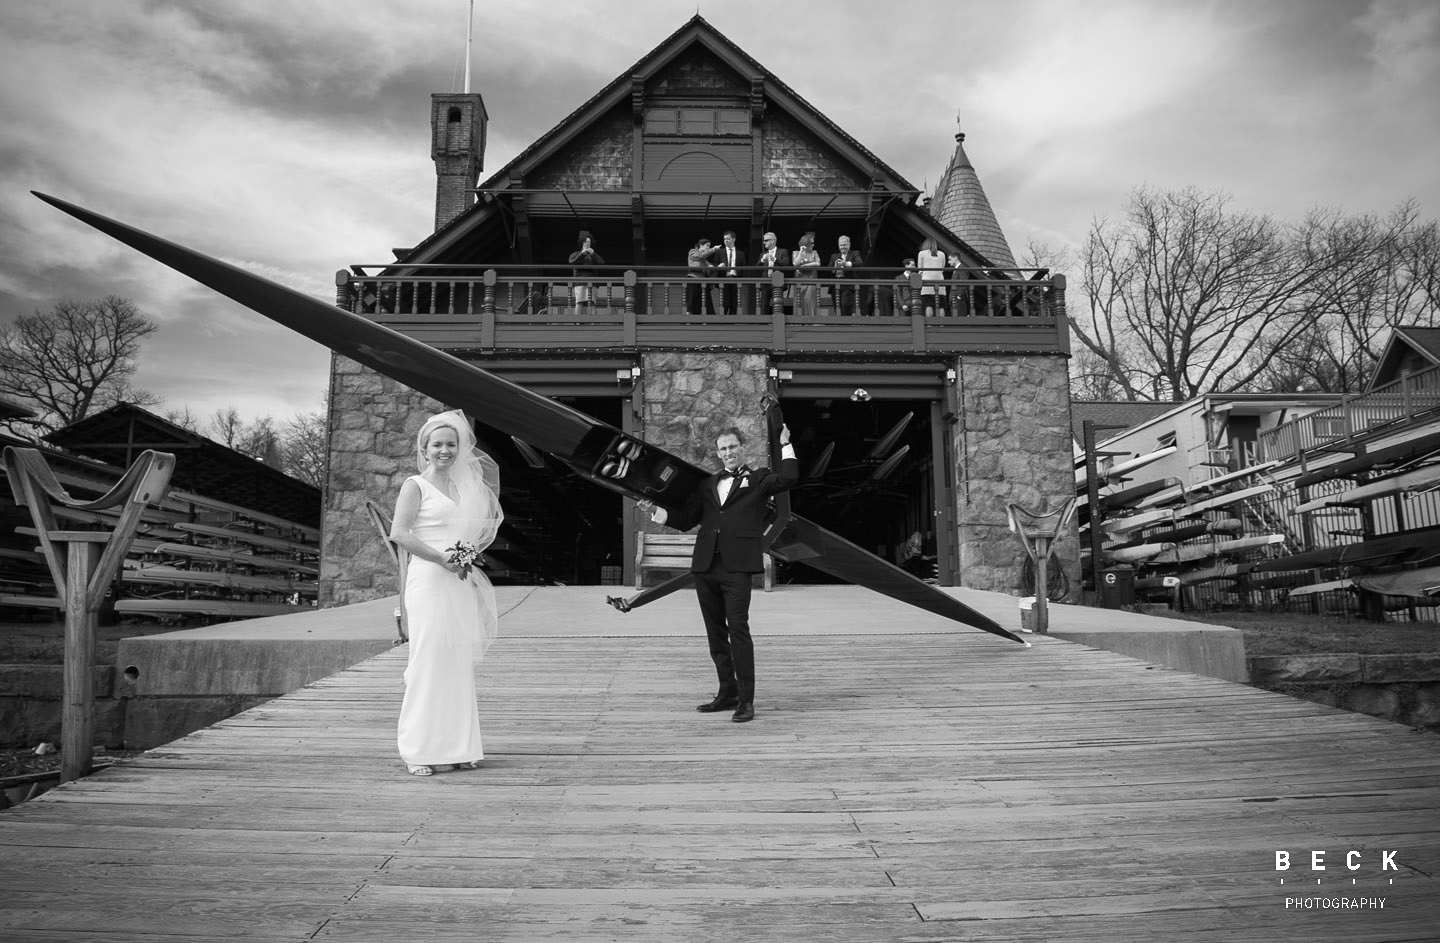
{"x": 466, "y": 555}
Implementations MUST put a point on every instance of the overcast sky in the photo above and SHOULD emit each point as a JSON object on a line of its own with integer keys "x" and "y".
{"x": 292, "y": 136}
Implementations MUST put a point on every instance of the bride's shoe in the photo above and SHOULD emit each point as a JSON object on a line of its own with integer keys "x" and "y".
{"x": 420, "y": 770}
{"x": 473, "y": 764}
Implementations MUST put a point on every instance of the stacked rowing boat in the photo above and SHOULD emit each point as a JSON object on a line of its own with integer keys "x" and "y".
{"x": 1376, "y": 517}
{"x": 192, "y": 556}
{"x": 1174, "y": 535}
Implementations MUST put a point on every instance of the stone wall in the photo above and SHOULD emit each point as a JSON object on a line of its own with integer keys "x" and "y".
{"x": 691, "y": 397}
{"x": 1012, "y": 445}
{"x": 373, "y": 421}
{"x": 1011, "y": 441}
{"x": 1404, "y": 688}
{"x": 32, "y": 702}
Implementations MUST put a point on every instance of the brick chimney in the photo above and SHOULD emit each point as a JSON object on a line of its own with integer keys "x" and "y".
{"x": 457, "y": 144}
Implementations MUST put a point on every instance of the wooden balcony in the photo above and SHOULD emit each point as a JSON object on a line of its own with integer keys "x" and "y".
{"x": 528, "y": 309}
{"x": 1408, "y": 400}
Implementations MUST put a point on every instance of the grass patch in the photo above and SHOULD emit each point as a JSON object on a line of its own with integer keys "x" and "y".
{"x": 1293, "y": 633}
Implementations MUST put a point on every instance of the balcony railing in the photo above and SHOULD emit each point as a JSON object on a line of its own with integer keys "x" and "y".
{"x": 1393, "y": 404}
{"x": 529, "y": 308}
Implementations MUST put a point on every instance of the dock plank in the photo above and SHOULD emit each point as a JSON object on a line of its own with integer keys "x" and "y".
{"x": 921, "y": 787}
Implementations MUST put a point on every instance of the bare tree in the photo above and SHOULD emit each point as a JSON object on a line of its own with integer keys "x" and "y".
{"x": 1091, "y": 376}
{"x": 298, "y": 449}
{"x": 1185, "y": 296}
{"x": 73, "y": 359}
{"x": 227, "y": 427}
{"x": 183, "y": 418}
{"x": 304, "y": 448}
{"x": 1382, "y": 276}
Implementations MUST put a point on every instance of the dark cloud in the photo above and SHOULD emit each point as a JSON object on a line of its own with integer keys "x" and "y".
{"x": 293, "y": 137}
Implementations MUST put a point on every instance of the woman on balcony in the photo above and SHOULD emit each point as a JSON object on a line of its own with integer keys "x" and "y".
{"x": 931, "y": 262}
{"x": 584, "y": 258}
{"x": 807, "y": 271}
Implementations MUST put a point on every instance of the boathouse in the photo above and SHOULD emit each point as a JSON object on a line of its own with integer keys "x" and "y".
{"x": 912, "y": 428}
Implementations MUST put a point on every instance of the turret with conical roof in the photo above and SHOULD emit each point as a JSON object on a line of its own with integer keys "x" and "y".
{"x": 961, "y": 206}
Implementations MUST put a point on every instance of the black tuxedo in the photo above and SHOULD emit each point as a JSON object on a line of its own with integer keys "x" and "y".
{"x": 728, "y": 550}
{"x": 728, "y": 276}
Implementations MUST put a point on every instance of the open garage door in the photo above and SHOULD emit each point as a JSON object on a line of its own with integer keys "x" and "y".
{"x": 558, "y": 528}
{"x": 875, "y": 459}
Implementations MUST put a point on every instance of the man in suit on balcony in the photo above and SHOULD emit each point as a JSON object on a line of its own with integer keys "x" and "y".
{"x": 728, "y": 260}
{"x": 698, "y": 260}
{"x": 842, "y": 265}
{"x": 730, "y": 508}
{"x": 773, "y": 259}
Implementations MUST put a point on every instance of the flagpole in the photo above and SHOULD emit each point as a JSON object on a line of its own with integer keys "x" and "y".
{"x": 469, "y": 31}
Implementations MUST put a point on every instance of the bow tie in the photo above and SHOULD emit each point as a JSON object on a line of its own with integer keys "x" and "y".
{"x": 740, "y": 472}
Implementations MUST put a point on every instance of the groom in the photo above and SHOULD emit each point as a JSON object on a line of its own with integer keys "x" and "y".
{"x": 730, "y": 508}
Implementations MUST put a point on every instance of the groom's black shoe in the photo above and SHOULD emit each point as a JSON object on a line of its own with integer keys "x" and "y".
{"x": 721, "y": 703}
{"x": 745, "y": 711}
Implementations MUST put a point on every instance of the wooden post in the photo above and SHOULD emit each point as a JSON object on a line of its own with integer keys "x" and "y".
{"x": 1037, "y": 533}
{"x": 77, "y": 720}
{"x": 487, "y": 309}
{"x": 82, "y": 564}
{"x": 777, "y": 313}
{"x": 1042, "y": 586}
{"x": 627, "y": 318}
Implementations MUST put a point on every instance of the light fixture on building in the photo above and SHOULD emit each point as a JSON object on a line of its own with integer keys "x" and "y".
{"x": 949, "y": 376}
{"x": 782, "y": 376}
{"x": 860, "y": 396}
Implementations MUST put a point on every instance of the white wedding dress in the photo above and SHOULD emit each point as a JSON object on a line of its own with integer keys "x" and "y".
{"x": 450, "y": 621}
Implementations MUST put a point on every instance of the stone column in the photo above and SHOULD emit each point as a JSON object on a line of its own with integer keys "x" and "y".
{"x": 372, "y": 425}
{"x": 691, "y": 397}
{"x": 1012, "y": 445}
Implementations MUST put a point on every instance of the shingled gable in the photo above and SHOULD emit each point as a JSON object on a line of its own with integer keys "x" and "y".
{"x": 599, "y": 137}
{"x": 1408, "y": 350}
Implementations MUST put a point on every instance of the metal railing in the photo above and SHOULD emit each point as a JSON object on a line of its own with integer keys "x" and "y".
{"x": 1394, "y": 403}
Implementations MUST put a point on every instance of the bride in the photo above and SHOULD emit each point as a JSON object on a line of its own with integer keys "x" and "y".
{"x": 449, "y": 604}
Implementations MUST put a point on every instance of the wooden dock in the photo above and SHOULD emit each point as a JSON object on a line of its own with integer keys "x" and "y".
{"x": 903, "y": 781}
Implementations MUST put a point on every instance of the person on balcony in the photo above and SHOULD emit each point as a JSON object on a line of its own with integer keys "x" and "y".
{"x": 842, "y": 264}
{"x": 931, "y": 263}
{"x": 896, "y": 301}
{"x": 584, "y": 258}
{"x": 699, "y": 262}
{"x": 728, "y": 259}
{"x": 807, "y": 271}
{"x": 773, "y": 259}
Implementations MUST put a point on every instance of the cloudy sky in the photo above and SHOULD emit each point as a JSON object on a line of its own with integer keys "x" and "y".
{"x": 291, "y": 136}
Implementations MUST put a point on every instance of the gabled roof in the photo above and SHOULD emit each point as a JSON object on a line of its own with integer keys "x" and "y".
{"x": 1117, "y": 415}
{"x": 119, "y": 434}
{"x": 961, "y": 206}
{"x": 697, "y": 31}
{"x": 12, "y": 409}
{"x": 870, "y": 171}
{"x": 1408, "y": 349}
